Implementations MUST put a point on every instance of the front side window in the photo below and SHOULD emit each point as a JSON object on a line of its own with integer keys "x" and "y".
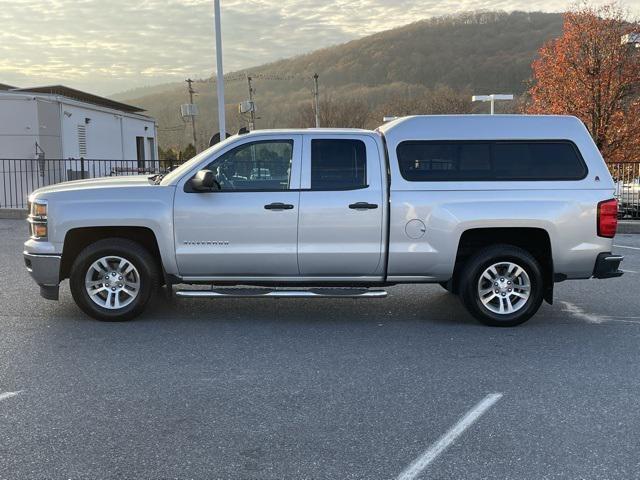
{"x": 263, "y": 165}
{"x": 426, "y": 161}
{"x": 338, "y": 164}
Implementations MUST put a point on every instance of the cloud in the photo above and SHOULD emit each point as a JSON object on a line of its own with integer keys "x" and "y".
{"x": 112, "y": 46}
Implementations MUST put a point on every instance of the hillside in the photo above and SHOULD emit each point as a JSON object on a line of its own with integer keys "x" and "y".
{"x": 484, "y": 52}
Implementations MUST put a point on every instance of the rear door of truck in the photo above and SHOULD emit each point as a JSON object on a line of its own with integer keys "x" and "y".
{"x": 342, "y": 210}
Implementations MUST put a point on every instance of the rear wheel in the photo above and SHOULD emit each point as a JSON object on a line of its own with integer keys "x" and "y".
{"x": 113, "y": 279}
{"x": 502, "y": 286}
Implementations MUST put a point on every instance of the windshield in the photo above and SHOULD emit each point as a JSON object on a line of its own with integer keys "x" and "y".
{"x": 174, "y": 175}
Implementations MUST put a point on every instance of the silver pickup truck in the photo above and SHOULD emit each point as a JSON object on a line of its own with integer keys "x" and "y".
{"x": 496, "y": 209}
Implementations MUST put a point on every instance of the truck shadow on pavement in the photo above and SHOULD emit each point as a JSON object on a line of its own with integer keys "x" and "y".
{"x": 425, "y": 304}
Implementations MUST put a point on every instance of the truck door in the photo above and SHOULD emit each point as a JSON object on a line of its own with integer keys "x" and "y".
{"x": 249, "y": 228}
{"x": 341, "y": 207}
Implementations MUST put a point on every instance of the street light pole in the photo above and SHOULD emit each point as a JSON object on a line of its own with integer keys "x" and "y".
{"x": 491, "y": 98}
{"x": 220, "y": 72}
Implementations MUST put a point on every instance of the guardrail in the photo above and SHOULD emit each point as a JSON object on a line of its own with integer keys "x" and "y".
{"x": 20, "y": 177}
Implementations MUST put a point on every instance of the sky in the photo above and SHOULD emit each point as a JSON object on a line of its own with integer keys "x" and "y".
{"x": 110, "y": 46}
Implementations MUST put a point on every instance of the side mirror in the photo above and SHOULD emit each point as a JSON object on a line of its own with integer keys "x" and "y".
{"x": 204, "y": 181}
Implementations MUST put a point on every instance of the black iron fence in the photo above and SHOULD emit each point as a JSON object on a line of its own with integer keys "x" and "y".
{"x": 19, "y": 177}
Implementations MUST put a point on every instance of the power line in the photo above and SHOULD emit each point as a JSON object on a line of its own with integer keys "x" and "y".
{"x": 249, "y": 77}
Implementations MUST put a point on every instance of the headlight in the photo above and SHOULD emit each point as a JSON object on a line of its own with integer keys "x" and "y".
{"x": 39, "y": 209}
{"x": 38, "y": 220}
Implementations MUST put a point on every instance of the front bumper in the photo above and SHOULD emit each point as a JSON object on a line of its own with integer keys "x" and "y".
{"x": 607, "y": 266}
{"x": 45, "y": 270}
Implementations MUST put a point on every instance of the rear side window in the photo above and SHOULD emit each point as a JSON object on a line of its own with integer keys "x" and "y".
{"x": 426, "y": 161}
{"x": 338, "y": 164}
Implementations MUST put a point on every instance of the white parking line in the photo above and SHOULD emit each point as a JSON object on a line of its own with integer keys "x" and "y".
{"x": 578, "y": 312}
{"x": 423, "y": 461}
{"x": 595, "y": 318}
{"x": 629, "y": 271}
{"x": 6, "y": 395}
{"x": 625, "y": 246}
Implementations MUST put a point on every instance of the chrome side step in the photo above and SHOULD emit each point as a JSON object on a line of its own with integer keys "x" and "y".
{"x": 283, "y": 293}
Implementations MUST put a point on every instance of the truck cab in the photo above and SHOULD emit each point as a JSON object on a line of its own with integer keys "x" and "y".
{"x": 317, "y": 216}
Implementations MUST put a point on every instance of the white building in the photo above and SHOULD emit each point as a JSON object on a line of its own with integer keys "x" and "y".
{"x": 68, "y": 123}
{"x": 55, "y": 133}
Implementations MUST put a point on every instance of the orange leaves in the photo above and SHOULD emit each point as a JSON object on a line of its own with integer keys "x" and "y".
{"x": 586, "y": 72}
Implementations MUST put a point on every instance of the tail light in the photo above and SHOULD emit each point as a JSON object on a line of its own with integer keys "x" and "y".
{"x": 608, "y": 218}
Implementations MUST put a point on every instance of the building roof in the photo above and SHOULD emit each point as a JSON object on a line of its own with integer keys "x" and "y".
{"x": 80, "y": 96}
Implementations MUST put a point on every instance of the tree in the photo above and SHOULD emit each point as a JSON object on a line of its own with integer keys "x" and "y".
{"x": 441, "y": 100}
{"x": 586, "y": 72}
{"x": 188, "y": 153}
{"x": 342, "y": 113}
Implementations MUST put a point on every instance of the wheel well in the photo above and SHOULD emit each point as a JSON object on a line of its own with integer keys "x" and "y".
{"x": 534, "y": 240}
{"x": 79, "y": 238}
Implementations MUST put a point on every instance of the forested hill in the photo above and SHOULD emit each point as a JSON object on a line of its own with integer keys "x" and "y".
{"x": 484, "y": 52}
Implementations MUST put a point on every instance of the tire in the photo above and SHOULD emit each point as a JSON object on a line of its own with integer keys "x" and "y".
{"x": 130, "y": 284}
{"x": 509, "y": 295}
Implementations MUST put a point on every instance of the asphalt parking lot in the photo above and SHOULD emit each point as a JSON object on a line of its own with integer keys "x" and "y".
{"x": 320, "y": 389}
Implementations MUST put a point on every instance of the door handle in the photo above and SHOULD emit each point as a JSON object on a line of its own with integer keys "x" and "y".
{"x": 363, "y": 206}
{"x": 278, "y": 206}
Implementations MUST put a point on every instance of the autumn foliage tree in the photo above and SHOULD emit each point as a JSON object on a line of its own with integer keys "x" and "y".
{"x": 586, "y": 72}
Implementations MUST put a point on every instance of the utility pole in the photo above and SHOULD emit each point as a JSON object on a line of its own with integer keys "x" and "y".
{"x": 252, "y": 122}
{"x": 220, "y": 72}
{"x": 316, "y": 96}
{"x": 193, "y": 117}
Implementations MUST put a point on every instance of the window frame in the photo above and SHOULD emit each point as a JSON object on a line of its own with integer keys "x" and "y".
{"x": 294, "y": 174}
{"x": 338, "y": 189}
{"x": 491, "y": 143}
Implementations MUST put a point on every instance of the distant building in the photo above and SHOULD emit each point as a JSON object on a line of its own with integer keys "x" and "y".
{"x": 60, "y": 123}
{"x": 55, "y": 134}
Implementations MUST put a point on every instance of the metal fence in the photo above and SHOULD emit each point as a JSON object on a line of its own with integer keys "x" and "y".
{"x": 627, "y": 179}
{"x": 20, "y": 177}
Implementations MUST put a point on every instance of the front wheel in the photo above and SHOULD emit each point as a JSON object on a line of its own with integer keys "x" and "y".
{"x": 502, "y": 286}
{"x": 113, "y": 279}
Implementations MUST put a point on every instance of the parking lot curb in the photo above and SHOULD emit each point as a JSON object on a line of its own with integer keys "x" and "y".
{"x": 629, "y": 226}
{"x": 13, "y": 213}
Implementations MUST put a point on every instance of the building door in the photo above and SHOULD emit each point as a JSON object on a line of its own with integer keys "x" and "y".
{"x": 151, "y": 142}
{"x": 140, "y": 153}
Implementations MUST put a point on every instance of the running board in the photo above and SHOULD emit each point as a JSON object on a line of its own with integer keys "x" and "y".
{"x": 264, "y": 293}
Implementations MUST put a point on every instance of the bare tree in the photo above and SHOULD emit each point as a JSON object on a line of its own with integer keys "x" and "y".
{"x": 335, "y": 113}
{"x": 441, "y": 100}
